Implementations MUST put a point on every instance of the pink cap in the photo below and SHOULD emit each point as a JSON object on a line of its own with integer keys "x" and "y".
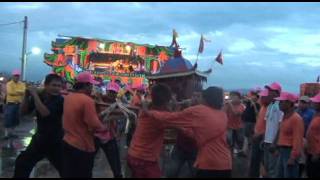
{"x": 316, "y": 99}
{"x": 112, "y": 86}
{"x": 274, "y": 86}
{"x": 286, "y": 96}
{"x": 16, "y": 72}
{"x": 86, "y": 77}
{"x": 264, "y": 92}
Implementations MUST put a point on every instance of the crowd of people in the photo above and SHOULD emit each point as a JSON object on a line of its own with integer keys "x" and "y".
{"x": 277, "y": 131}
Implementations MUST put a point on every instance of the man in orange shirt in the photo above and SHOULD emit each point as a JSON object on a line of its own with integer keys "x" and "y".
{"x": 208, "y": 124}
{"x": 260, "y": 127}
{"x": 313, "y": 142}
{"x": 290, "y": 137}
{"x": 147, "y": 141}
{"x": 80, "y": 123}
{"x": 234, "y": 110}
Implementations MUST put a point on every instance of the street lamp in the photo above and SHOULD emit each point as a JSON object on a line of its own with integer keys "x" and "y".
{"x": 34, "y": 51}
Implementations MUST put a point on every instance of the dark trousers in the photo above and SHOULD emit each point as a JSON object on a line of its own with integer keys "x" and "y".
{"x": 76, "y": 163}
{"x": 111, "y": 150}
{"x": 213, "y": 173}
{"x": 38, "y": 149}
{"x": 256, "y": 157}
{"x": 178, "y": 159}
{"x": 11, "y": 115}
{"x": 313, "y": 168}
{"x": 235, "y": 138}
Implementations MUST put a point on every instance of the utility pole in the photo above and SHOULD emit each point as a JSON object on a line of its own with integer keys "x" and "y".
{"x": 24, "y": 49}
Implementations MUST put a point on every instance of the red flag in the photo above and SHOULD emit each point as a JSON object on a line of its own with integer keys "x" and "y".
{"x": 219, "y": 58}
{"x": 201, "y": 46}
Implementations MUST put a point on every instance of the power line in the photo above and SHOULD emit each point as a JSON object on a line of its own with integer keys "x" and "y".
{"x": 6, "y": 24}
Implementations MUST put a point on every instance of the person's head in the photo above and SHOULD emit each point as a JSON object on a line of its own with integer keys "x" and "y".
{"x": 316, "y": 102}
{"x": 161, "y": 95}
{"x": 141, "y": 90}
{"x": 265, "y": 99}
{"x": 16, "y": 75}
{"x": 53, "y": 84}
{"x": 304, "y": 102}
{"x": 274, "y": 89}
{"x": 287, "y": 101}
{"x": 213, "y": 97}
{"x": 196, "y": 97}
{"x": 112, "y": 91}
{"x": 84, "y": 83}
{"x": 235, "y": 97}
{"x": 254, "y": 96}
{"x": 118, "y": 81}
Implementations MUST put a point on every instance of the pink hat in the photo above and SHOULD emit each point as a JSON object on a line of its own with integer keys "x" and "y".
{"x": 316, "y": 99}
{"x": 16, "y": 72}
{"x": 264, "y": 93}
{"x": 86, "y": 77}
{"x": 112, "y": 86}
{"x": 286, "y": 96}
{"x": 274, "y": 86}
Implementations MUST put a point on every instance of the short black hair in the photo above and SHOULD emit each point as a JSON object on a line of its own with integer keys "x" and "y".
{"x": 214, "y": 97}
{"x": 160, "y": 94}
{"x": 235, "y": 93}
{"x": 78, "y": 85}
{"x": 52, "y": 77}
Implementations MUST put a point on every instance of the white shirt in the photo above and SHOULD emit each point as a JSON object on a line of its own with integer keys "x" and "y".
{"x": 273, "y": 117}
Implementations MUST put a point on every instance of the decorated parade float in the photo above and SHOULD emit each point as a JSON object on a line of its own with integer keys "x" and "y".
{"x": 106, "y": 59}
{"x": 135, "y": 64}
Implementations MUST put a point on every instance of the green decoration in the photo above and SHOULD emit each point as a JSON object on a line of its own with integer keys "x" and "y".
{"x": 50, "y": 57}
{"x": 83, "y": 56}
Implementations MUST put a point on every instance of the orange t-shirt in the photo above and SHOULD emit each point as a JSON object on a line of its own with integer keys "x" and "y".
{"x": 313, "y": 136}
{"x": 235, "y": 121}
{"x": 80, "y": 121}
{"x": 260, "y": 127}
{"x": 147, "y": 141}
{"x": 291, "y": 134}
{"x": 209, "y": 128}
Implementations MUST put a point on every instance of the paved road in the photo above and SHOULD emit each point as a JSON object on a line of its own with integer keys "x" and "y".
{"x": 11, "y": 148}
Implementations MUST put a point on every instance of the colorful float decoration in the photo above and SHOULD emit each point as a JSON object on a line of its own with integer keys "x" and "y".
{"x": 106, "y": 59}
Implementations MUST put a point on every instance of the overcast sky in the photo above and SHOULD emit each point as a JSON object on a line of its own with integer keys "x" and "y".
{"x": 261, "y": 42}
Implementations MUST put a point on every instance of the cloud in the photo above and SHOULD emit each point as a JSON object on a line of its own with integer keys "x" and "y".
{"x": 258, "y": 46}
{"x": 241, "y": 45}
{"x": 296, "y": 42}
{"x": 25, "y": 6}
{"x": 308, "y": 61}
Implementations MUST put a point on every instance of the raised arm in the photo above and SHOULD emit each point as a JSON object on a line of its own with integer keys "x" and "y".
{"x": 40, "y": 107}
{"x": 182, "y": 119}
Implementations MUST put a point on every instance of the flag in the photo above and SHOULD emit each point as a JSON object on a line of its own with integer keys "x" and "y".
{"x": 219, "y": 58}
{"x": 201, "y": 46}
{"x": 174, "y": 38}
{"x": 318, "y": 79}
{"x": 175, "y": 34}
